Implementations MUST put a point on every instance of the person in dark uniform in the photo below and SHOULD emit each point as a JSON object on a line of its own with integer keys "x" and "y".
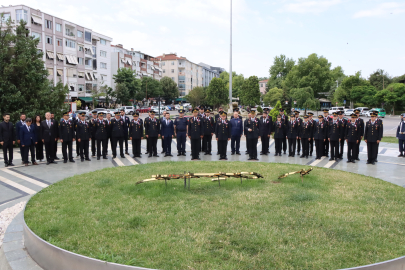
{"x": 372, "y": 136}
{"x": 284, "y": 119}
{"x": 83, "y": 136}
{"x": 279, "y": 135}
{"x": 334, "y": 136}
{"x": 401, "y": 136}
{"x": 360, "y": 125}
{"x": 180, "y": 131}
{"x": 247, "y": 145}
{"x": 55, "y": 122}
{"x": 209, "y": 129}
{"x": 217, "y": 117}
{"x": 234, "y": 139}
{"x": 7, "y": 139}
{"x": 266, "y": 125}
{"x": 101, "y": 136}
{"x": 136, "y": 134}
{"x": 343, "y": 124}
{"x": 292, "y": 134}
{"x": 305, "y": 133}
{"x": 380, "y": 123}
{"x": 236, "y": 126}
{"x": 352, "y": 138}
{"x": 320, "y": 135}
{"x": 299, "y": 122}
{"x": 147, "y": 141}
{"x": 152, "y": 133}
{"x": 28, "y": 141}
{"x": 109, "y": 130}
{"x": 67, "y": 136}
{"x": 126, "y": 125}
{"x": 162, "y": 140}
{"x": 201, "y": 114}
{"x": 252, "y": 131}
{"x": 311, "y": 142}
{"x": 223, "y": 135}
{"x": 75, "y": 119}
{"x": 167, "y": 131}
{"x": 18, "y": 126}
{"x": 195, "y": 133}
{"x": 92, "y": 125}
{"x": 49, "y": 133}
{"x": 117, "y": 134}
{"x": 326, "y": 120}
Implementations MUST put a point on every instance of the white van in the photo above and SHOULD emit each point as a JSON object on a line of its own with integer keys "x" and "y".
{"x": 336, "y": 109}
{"x": 362, "y": 110}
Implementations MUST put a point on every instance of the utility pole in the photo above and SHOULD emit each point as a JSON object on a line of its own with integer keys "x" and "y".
{"x": 230, "y": 67}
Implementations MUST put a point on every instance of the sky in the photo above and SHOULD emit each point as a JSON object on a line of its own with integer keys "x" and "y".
{"x": 358, "y": 35}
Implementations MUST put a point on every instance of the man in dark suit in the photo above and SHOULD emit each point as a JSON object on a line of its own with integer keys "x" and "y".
{"x": 284, "y": 119}
{"x": 126, "y": 125}
{"x": 372, "y": 136}
{"x": 117, "y": 134}
{"x": 209, "y": 129}
{"x": 334, "y": 137}
{"x": 109, "y": 129}
{"x": 55, "y": 122}
{"x": 49, "y": 133}
{"x": 292, "y": 134}
{"x": 7, "y": 139}
{"x": 266, "y": 124}
{"x": 236, "y": 127}
{"x": 28, "y": 140}
{"x": 83, "y": 136}
{"x": 167, "y": 131}
{"x": 252, "y": 133}
{"x": 152, "y": 133}
{"x": 223, "y": 135}
{"x": 101, "y": 136}
{"x": 18, "y": 126}
{"x": 67, "y": 136}
{"x": 136, "y": 134}
{"x": 195, "y": 134}
{"x": 92, "y": 125}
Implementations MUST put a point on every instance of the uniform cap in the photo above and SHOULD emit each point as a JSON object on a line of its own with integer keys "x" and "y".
{"x": 326, "y": 110}
{"x": 310, "y": 114}
{"x": 152, "y": 112}
{"x": 207, "y": 110}
{"x": 374, "y": 114}
{"x": 66, "y": 114}
{"x": 82, "y": 114}
{"x": 353, "y": 115}
{"x": 403, "y": 115}
{"x": 335, "y": 114}
{"x": 281, "y": 110}
{"x": 305, "y": 116}
{"x": 100, "y": 114}
{"x": 252, "y": 112}
{"x": 236, "y": 110}
{"x": 195, "y": 110}
{"x": 224, "y": 113}
{"x": 135, "y": 114}
{"x": 292, "y": 115}
{"x": 356, "y": 111}
{"x": 181, "y": 111}
{"x": 202, "y": 107}
{"x": 117, "y": 113}
{"x": 94, "y": 112}
{"x": 320, "y": 116}
{"x": 266, "y": 110}
{"x": 297, "y": 112}
{"x": 339, "y": 113}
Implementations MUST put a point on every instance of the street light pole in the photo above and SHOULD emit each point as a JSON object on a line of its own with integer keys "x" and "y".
{"x": 230, "y": 67}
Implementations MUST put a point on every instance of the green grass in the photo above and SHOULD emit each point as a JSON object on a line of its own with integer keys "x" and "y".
{"x": 334, "y": 220}
{"x": 389, "y": 139}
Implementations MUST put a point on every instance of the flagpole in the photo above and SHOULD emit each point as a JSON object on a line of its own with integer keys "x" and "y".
{"x": 230, "y": 66}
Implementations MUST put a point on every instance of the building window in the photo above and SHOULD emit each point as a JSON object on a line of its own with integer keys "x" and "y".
{"x": 48, "y": 24}
{"x": 21, "y": 14}
{"x": 79, "y": 33}
{"x": 87, "y": 36}
{"x": 103, "y": 41}
{"x": 103, "y": 53}
{"x": 163, "y": 63}
{"x": 80, "y": 87}
{"x": 173, "y": 78}
{"x": 172, "y": 63}
{"x": 36, "y": 35}
{"x": 81, "y": 49}
{"x": 5, "y": 17}
{"x": 95, "y": 52}
{"x": 103, "y": 65}
{"x": 48, "y": 40}
{"x": 69, "y": 32}
{"x": 261, "y": 85}
{"x": 58, "y": 27}
{"x": 172, "y": 70}
{"x": 80, "y": 60}
{"x": 70, "y": 43}
{"x": 58, "y": 42}
{"x": 89, "y": 88}
{"x": 164, "y": 71}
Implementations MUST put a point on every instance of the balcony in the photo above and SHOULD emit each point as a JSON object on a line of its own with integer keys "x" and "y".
{"x": 182, "y": 86}
{"x": 182, "y": 74}
{"x": 181, "y": 66}
{"x": 182, "y": 78}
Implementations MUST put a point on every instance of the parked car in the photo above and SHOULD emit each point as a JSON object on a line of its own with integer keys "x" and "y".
{"x": 88, "y": 114}
{"x": 156, "y": 109}
{"x": 381, "y": 112}
{"x": 348, "y": 112}
{"x": 362, "y": 110}
{"x": 177, "y": 107}
{"x": 128, "y": 109}
{"x": 143, "y": 109}
{"x": 336, "y": 109}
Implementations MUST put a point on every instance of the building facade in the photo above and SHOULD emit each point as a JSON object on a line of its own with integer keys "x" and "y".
{"x": 263, "y": 86}
{"x": 208, "y": 73}
{"x": 72, "y": 54}
{"x": 142, "y": 64}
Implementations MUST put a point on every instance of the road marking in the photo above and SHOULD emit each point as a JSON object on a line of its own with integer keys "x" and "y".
{"x": 17, "y": 186}
{"x": 133, "y": 161}
{"x": 119, "y": 162}
{"x": 330, "y": 163}
{"x": 317, "y": 161}
{"x": 23, "y": 177}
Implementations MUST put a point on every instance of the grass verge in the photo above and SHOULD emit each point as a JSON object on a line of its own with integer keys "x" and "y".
{"x": 334, "y": 220}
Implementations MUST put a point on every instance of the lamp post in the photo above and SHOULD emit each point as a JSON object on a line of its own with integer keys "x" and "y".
{"x": 230, "y": 67}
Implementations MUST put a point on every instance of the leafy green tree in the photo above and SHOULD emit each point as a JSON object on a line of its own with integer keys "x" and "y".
{"x": 364, "y": 94}
{"x": 343, "y": 92}
{"x": 122, "y": 93}
{"x": 196, "y": 96}
{"x": 279, "y": 71}
{"x": 224, "y": 76}
{"x": 393, "y": 95}
{"x": 217, "y": 94}
{"x": 109, "y": 95}
{"x": 150, "y": 88}
{"x": 399, "y": 79}
{"x": 250, "y": 94}
{"x": 275, "y": 111}
{"x": 272, "y": 96}
{"x": 169, "y": 88}
{"x": 313, "y": 72}
{"x": 127, "y": 77}
{"x": 380, "y": 79}
{"x": 305, "y": 98}
{"x": 24, "y": 86}
{"x": 237, "y": 84}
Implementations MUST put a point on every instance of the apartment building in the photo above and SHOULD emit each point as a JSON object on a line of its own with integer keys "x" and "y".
{"x": 143, "y": 64}
{"x": 73, "y": 54}
{"x": 185, "y": 73}
{"x": 208, "y": 73}
{"x": 263, "y": 86}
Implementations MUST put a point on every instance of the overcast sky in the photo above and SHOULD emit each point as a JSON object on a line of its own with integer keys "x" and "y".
{"x": 359, "y": 35}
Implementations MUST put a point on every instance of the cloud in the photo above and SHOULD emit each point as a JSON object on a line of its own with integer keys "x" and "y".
{"x": 381, "y": 10}
{"x": 303, "y": 6}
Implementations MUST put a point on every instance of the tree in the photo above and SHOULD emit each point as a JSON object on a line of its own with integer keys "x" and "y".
{"x": 364, "y": 94}
{"x": 250, "y": 94}
{"x": 380, "y": 79}
{"x": 272, "y": 96}
{"x": 24, "y": 84}
{"x": 217, "y": 93}
{"x": 237, "y": 83}
{"x": 275, "y": 111}
{"x": 150, "y": 88}
{"x": 279, "y": 71}
{"x": 311, "y": 72}
{"x": 343, "y": 92}
{"x": 122, "y": 93}
{"x": 305, "y": 98}
{"x": 127, "y": 77}
{"x": 169, "y": 88}
{"x": 196, "y": 96}
{"x": 393, "y": 95}
{"x": 109, "y": 95}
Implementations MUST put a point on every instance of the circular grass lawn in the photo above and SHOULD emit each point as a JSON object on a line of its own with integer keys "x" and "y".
{"x": 333, "y": 220}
